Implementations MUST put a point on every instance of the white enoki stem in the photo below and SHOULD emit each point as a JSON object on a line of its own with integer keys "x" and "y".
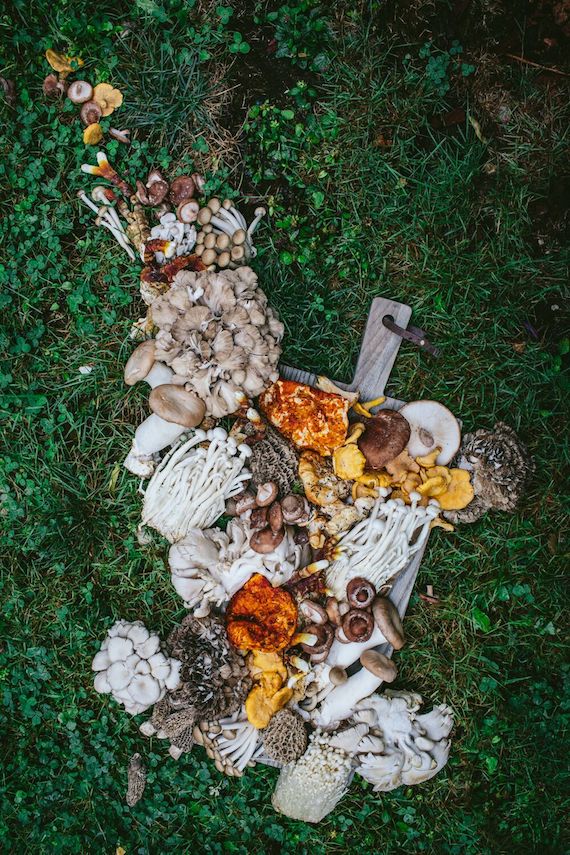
{"x": 112, "y": 223}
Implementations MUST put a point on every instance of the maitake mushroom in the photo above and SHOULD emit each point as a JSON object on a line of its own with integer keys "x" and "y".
{"x": 223, "y": 340}
{"x": 285, "y": 737}
{"x": 132, "y": 667}
{"x": 500, "y": 466}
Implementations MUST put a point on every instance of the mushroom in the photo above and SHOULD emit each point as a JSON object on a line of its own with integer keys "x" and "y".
{"x": 323, "y": 634}
{"x": 187, "y": 210}
{"x": 79, "y": 91}
{"x": 385, "y": 435}
{"x": 338, "y": 676}
{"x": 296, "y": 510}
{"x": 379, "y": 665}
{"x": 313, "y": 612}
{"x": 107, "y": 97}
{"x": 62, "y": 63}
{"x": 333, "y": 611}
{"x": 360, "y": 593}
{"x": 266, "y": 540}
{"x": 174, "y": 404}
{"x": 140, "y": 362}
{"x": 432, "y": 425}
{"x": 120, "y": 135}
{"x": 388, "y": 621}
{"x": 155, "y": 190}
{"x": 182, "y": 188}
{"x": 93, "y": 134}
{"x": 90, "y": 113}
{"x": 357, "y": 625}
{"x": 53, "y": 87}
{"x": 275, "y": 517}
{"x": 266, "y": 494}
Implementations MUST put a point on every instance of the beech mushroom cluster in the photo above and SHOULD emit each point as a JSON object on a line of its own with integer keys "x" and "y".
{"x": 218, "y": 335}
{"x": 233, "y": 743}
{"x": 132, "y": 666}
{"x": 225, "y": 239}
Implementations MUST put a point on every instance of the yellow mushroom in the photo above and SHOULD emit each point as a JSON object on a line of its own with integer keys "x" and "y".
{"x": 433, "y": 487}
{"x": 62, "y": 63}
{"x": 459, "y": 491}
{"x": 439, "y": 523}
{"x": 93, "y": 134}
{"x": 360, "y": 491}
{"x": 348, "y": 462}
{"x": 375, "y": 479}
{"x": 107, "y": 98}
{"x": 429, "y": 459}
{"x": 364, "y": 408}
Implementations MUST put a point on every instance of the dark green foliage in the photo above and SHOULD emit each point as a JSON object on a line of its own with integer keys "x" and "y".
{"x": 365, "y": 199}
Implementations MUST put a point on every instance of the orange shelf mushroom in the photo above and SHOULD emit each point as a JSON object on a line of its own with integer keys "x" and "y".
{"x": 261, "y": 617}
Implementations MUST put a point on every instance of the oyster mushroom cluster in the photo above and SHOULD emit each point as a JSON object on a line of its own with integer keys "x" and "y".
{"x": 132, "y": 666}
{"x": 219, "y": 336}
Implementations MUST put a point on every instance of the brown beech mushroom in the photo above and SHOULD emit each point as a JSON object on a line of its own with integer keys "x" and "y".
{"x": 332, "y": 611}
{"x": 379, "y": 665}
{"x": 295, "y": 509}
{"x": 389, "y": 622}
{"x": 266, "y": 541}
{"x": 80, "y": 91}
{"x": 187, "y": 211}
{"x": 338, "y": 676}
{"x": 53, "y": 87}
{"x": 386, "y": 435}
{"x": 181, "y": 189}
{"x": 266, "y": 494}
{"x": 324, "y": 634}
{"x": 139, "y": 362}
{"x": 174, "y": 404}
{"x": 258, "y": 518}
{"x": 90, "y": 113}
{"x": 360, "y": 593}
{"x": 275, "y": 517}
{"x": 357, "y": 625}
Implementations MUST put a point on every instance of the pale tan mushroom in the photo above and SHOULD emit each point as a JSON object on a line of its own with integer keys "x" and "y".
{"x": 174, "y": 404}
{"x": 140, "y": 362}
{"x": 379, "y": 665}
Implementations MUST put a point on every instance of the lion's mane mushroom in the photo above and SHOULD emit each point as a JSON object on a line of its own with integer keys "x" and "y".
{"x": 208, "y": 567}
{"x": 191, "y": 485}
{"x": 402, "y": 747}
{"x": 312, "y": 787}
{"x": 285, "y": 737}
{"x": 132, "y": 667}
{"x": 500, "y": 466}
{"x": 432, "y": 425}
{"x": 385, "y": 435}
{"x": 224, "y": 340}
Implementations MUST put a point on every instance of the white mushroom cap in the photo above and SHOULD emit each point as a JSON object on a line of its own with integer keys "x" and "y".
{"x": 101, "y": 661}
{"x": 119, "y": 649}
{"x": 138, "y": 633}
{"x": 140, "y": 362}
{"x": 101, "y": 683}
{"x": 144, "y": 689}
{"x": 174, "y": 404}
{"x": 79, "y": 91}
{"x": 150, "y": 646}
{"x": 118, "y": 676}
{"x": 432, "y": 425}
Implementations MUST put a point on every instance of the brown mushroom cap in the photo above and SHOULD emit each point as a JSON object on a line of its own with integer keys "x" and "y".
{"x": 181, "y": 188}
{"x": 80, "y": 91}
{"x": 338, "y": 676}
{"x": 90, "y": 113}
{"x": 389, "y": 622}
{"x": 140, "y": 362}
{"x": 325, "y": 635}
{"x": 379, "y": 665}
{"x": 295, "y": 509}
{"x": 266, "y": 494}
{"x": 53, "y": 87}
{"x": 187, "y": 211}
{"x": 275, "y": 517}
{"x": 266, "y": 541}
{"x": 360, "y": 593}
{"x": 358, "y": 625}
{"x": 386, "y": 435}
{"x": 174, "y": 404}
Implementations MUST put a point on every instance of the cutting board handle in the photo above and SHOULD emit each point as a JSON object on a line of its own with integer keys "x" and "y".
{"x": 379, "y": 348}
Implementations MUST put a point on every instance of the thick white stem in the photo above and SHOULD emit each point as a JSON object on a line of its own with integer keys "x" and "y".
{"x": 340, "y": 703}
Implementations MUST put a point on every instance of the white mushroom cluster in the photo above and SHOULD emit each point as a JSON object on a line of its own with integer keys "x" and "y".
{"x": 208, "y": 567}
{"x": 133, "y": 668}
{"x": 190, "y": 487}
{"x": 402, "y": 747}
{"x": 380, "y": 546}
{"x": 183, "y": 235}
{"x": 219, "y": 336}
{"x": 232, "y": 743}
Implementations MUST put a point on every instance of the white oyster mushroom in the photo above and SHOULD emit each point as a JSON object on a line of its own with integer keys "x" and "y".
{"x": 101, "y": 683}
{"x": 144, "y": 689}
{"x": 119, "y": 649}
{"x": 118, "y": 676}
{"x": 148, "y": 647}
{"x": 101, "y": 661}
{"x": 138, "y": 633}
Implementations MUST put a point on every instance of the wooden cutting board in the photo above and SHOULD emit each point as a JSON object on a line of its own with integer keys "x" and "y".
{"x": 377, "y": 356}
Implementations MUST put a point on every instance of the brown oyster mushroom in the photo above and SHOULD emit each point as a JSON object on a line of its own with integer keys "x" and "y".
{"x": 181, "y": 188}
{"x": 275, "y": 517}
{"x": 53, "y": 87}
{"x": 265, "y": 540}
{"x": 360, "y": 593}
{"x": 357, "y": 625}
{"x": 90, "y": 113}
{"x": 295, "y": 509}
{"x": 79, "y": 91}
{"x": 140, "y": 362}
{"x": 266, "y": 494}
{"x": 388, "y": 621}
{"x": 379, "y": 665}
{"x": 386, "y": 435}
{"x": 338, "y": 676}
{"x": 174, "y": 404}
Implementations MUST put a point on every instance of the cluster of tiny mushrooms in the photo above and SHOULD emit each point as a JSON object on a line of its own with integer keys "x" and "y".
{"x": 297, "y": 585}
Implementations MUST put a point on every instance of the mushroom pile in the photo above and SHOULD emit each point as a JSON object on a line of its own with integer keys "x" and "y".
{"x": 132, "y": 667}
{"x": 225, "y": 239}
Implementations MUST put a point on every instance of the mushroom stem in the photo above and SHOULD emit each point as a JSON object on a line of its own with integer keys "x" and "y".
{"x": 108, "y": 223}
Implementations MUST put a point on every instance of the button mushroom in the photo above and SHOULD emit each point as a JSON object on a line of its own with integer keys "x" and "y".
{"x": 385, "y": 435}
{"x": 432, "y": 425}
{"x": 80, "y": 91}
{"x": 360, "y": 593}
{"x": 357, "y": 625}
{"x": 174, "y": 404}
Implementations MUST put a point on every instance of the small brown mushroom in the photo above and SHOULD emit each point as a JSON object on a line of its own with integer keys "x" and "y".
{"x": 258, "y": 519}
{"x": 245, "y": 503}
{"x": 325, "y": 635}
{"x": 237, "y": 253}
{"x": 181, "y": 188}
{"x": 332, "y": 611}
{"x": 90, "y": 113}
{"x": 313, "y": 612}
{"x": 379, "y": 665}
{"x": 204, "y": 216}
{"x": 340, "y": 636}
{"x": 338, "y": 676}
{"x": 187, "y": 211}
{"x": 53, "y": 87}
{"x": 386, "y": 435}
{"x": 140, "y": 362}
{"x": 266, "y": 541}
{"x": 121, "y": 136}
{"x": 295, "y": 509}
{"x": 357, "y": 625}
{"x": 389, "y": 622}
{"x": 266, "y": 494}
{"x": 174, "y": 404}
{"x": 275, "y": 517}
{"x": 209, "y": 256}
{"x": 155, "y": 190}
{"x": 80, "y": 91}
{"x": 360, "y": 593}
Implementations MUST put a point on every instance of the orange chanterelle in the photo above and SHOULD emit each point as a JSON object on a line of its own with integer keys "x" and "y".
{"x": 308, "y": 417}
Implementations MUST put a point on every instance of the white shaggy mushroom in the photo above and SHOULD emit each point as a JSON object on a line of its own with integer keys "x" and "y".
{"x": 190, "y": 487}
{"x": 132, "y": 668}
{"x": 219, "y": 336}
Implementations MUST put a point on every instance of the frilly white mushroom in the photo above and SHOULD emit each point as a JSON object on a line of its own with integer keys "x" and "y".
{"x": 381, "y": 545}
{"x": 232, "y": 742}
{"x": 208, "y": 567}
{"x": 216, "y": 331}
{"x": 190, "y": 487}
{"x": 132, "y": 668}
{"x": 403, "y": 748}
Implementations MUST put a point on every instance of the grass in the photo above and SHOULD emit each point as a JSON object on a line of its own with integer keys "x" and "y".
{"x": 438, "y": 220}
